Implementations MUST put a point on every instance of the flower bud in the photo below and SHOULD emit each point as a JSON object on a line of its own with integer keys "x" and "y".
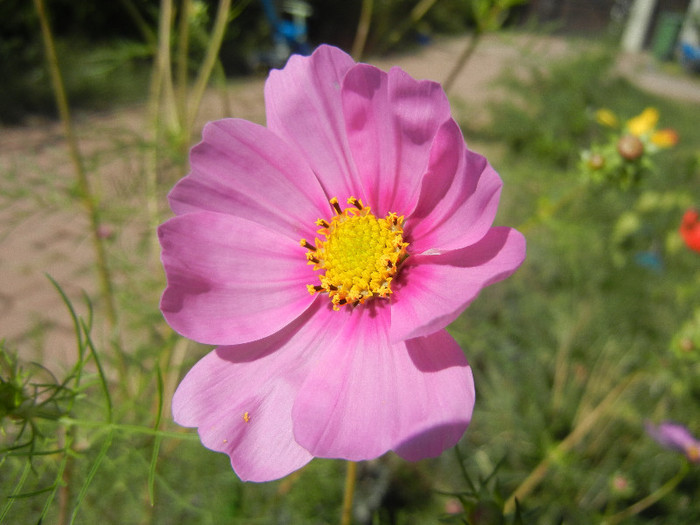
{"x": 630, "y": 147}
{"x": 596, "y": 161}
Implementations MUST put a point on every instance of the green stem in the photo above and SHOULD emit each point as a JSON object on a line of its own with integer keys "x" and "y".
{"x": 164, "y": 76}
{"x": 418, "y": 12}
{"x": 182, "y": 52}
{"x": 86, "y": 194}
{"x": 579, "y": 432}
{"x": 133, "y": 429}
{"x": 649, "y": 500}
{"x": 87, "y": 197}
{"x": 208, "y": 63}
{"x": 146, "y": 31}
{"x": 350, "y": 480}
{"x": 160, "y": 80}
{"x": 462, "y": 60}
{"x": 358, "y": 46}
{"x": 61, "y": 481}
{"x": 463, "y": 469}
{"x": 17, "y": 490}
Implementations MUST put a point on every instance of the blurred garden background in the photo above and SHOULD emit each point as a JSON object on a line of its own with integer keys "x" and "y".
{"x": 596, "y": 336}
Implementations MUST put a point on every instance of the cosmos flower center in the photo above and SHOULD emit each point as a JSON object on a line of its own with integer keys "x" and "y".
{"x": 359, "y": 254}
{"x": 693, "y": 453}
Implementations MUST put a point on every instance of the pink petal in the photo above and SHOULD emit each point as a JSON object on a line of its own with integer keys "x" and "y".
{"x": 458, "y": 199}
{"x": 366, "y": 396}
{"x": 672, "y": 435}
{"x": 244, "y": 169}
{"x": 230, "y": 280}
{"x": 391, "y": 122}
{"x": 434, "y": 290}
{"x": 302, "y": 103}
{"x": 256, "y": 381}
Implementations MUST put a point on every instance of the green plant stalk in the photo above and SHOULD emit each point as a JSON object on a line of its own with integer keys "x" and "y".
{"x": 91, "y": 475}
{"x": 129, "y": 429}
{"x": 220, "y": 80}
{"x": 569, "y": 442}
{"x": 212, "y": 52}
{"x": 418, "y": 12}
{"x": 143, "y": 26}
{"x": 183, "y": 42}
{"x": 490, "y": 20}
{"x": 561, "y": 366}
{"x": 462, "y": 60}
{"x": 172, "y": 364}
{"x": 349, "y": 493}
{"x": 649, "y": 500}
{"x": 16, "y": 491}
{"x": 86, "y": 195}
{"x": 164, "y": 84}
{"x": 160, "y": 76}
{"x": 463, "y": 469}
{"x": 56, "y": 484}
{"x": 358, "y": 46}
{"x": 157, "y": 440}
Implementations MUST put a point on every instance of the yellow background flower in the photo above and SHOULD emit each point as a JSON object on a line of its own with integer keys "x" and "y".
{"x": 644, "y": 122}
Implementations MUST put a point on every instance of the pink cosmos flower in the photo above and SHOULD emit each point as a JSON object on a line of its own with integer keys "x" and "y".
{"x": 324, "y": 254}
{"x": 677, "y": 437}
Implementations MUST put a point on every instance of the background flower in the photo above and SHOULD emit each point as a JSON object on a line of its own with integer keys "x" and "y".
{"x": 676, "y": 437}
{"x": 644, "y": 122}
{"x": 690, "y": 230}
{"x": 625, "y": 157}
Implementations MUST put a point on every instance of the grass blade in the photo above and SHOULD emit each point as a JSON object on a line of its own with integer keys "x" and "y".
{"x": 158, "y": 439}
{"x": 93, "y": 470}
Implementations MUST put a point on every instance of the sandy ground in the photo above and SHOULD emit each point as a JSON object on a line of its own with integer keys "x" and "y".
{"x": 43, "y": 230}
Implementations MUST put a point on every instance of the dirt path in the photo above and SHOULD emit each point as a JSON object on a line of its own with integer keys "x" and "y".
{"x": 44, "y": 231}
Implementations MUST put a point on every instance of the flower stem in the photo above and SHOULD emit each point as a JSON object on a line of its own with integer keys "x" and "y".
{"x": 358, "y": 46}
{"x": 462, "y": 61}
{"x": 83, "y": 184}
{"x": 350, "y": 479}
{"x": 129, "y": 429}
{"x": 650, "y": 499}
{"x": 210, "y": 56}
{"x": 183, "y": 42}
{"x": 580, "y": 430}
{"x": 86, "y": 195}
{"x": 463, "y": 469}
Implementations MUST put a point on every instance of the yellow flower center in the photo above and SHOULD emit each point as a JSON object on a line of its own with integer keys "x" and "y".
{"x": 359, "y": 254}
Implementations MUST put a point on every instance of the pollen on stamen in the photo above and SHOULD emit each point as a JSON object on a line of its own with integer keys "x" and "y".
{"x": 356, "y": 202}
{"x": 336, "y": 205}
{"x": 306, "y": 244}
{"x": 358, "y": 253}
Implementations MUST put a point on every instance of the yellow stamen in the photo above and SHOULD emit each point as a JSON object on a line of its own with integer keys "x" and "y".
{"x": 246, "y": 417}
{"x": 306, "y": 244}
{"x": 359, "y": 254}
